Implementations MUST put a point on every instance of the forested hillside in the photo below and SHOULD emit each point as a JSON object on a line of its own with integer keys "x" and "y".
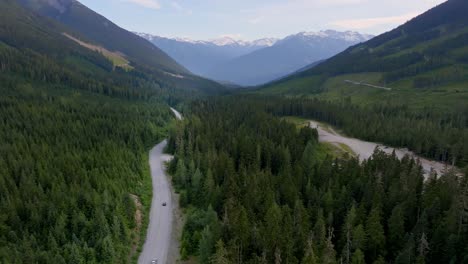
{"x": 75, "y": 130}
{"x": 43, "y": 52}
{"x": 101, "y": 31}
{"x": 258, "y": 190}
{"x": 69, "y": 162}
{"x": 423, "y": 62}
{"x": 406, "y": 88}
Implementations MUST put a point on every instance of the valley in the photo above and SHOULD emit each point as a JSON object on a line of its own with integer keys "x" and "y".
{"x": 250, "y": 63}
{"x": 161, "y": 240}
{"x": 343, "y": 145}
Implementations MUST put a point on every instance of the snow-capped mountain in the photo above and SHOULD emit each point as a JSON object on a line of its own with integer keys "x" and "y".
{"x": 350, "y": 36}
{"x": 228, "y": 41}
{"x": 200, "y": 56}
{"x": 286, "y": 56}
{"x": 259, "y": 61}
{"x": 223, "y": 41}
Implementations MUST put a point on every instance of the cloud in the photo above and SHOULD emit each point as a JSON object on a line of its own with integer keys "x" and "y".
{"x": 293, "y": 11}
{"x": 365, "y": 23}
{"x": 179, "y": 8}
{"x": 176, "y": 5}
{"x": 153, "y": 4}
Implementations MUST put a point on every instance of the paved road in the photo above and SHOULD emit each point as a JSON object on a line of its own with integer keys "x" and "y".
{"x": 158, "y": 236}
{"x": 365, "y": 149}
{"x": 177, "y": 114}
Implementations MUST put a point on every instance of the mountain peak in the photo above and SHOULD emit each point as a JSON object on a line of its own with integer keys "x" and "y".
{"x": 229, "y": 41}
{"x": 224, "y": 41}
{"x": 220, "y": 42}
{"x": 350, "y": 36}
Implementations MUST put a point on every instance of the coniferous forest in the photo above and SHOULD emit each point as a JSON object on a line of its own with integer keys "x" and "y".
{"x": 258, "y": 190}
{"x": 438, "y": 134}
{"x": 76, "y": 126}
{"x": 70, "y": 162}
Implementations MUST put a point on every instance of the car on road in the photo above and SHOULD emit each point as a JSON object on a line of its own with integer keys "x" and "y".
{"x": 164, "y": 204}
{"x": 154, "y": 261}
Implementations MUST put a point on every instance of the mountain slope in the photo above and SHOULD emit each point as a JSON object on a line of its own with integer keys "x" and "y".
{"x": 75, "y": 133}
{"x": 77, "y": 23}
{"x": 426, "y": 58}
{"x": 285, "y": 57}
{"x": 201, "y": 56}
{"x": 50, "y": 48}
{"x": 101, "y": 31}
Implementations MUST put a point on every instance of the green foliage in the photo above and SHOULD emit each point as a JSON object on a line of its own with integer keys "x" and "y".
{"x": 75, "y": 133}
{"x": 275, "y": 200}
{"x": 375, "y": 233}
{"x": 34, "y": 47}
{"x": 438, "y": 135}
{"x": 69, "y": 162}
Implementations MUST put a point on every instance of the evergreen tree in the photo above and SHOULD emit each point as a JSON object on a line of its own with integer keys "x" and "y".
{"x": 206, "y": 246}
{"x": 221, "y": 254}
{"x": 375, "y": 233}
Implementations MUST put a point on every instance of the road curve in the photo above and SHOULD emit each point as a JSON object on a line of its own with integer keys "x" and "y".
{"x": 161, "y": 218}
{"x": 177, "y": 114}
{"x": 365, "y": 149}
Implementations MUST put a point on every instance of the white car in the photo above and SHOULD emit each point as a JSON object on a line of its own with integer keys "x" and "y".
{"x": 154, "y": 261}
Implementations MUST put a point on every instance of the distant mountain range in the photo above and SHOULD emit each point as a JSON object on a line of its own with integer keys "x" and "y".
{"x": 200, "y": 57}
{"x": 422, "y": 62}
{"x": 255, "y": 62}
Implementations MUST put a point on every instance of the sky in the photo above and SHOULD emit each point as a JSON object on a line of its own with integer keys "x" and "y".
{"x": 254, "y": 19}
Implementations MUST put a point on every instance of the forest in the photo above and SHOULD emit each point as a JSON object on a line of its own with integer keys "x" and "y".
{"x": 257, "y": 189}
{"x": 436, "y": 134}
{"x": 75, "y": 134}
{"x": 70, "y": 162}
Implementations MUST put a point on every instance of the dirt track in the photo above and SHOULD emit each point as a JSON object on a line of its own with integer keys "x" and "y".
{"x": 365, "y": 149}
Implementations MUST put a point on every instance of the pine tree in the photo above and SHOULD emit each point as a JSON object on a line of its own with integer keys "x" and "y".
{"x": 206, "y": 245}
{"x": 309, "y": 256}
{"x": 358, "y": 257}
{"x": 423, "y": 248}
{"x": 329, "y": 254}
{"x": 221, "y": 254}
{"x": 272, "y": 229}
{"x": 209, "y": 189}
{"x": 396, "y": 228}
{"x": 347, "y": 234}
{"x": 181, "y": 173}
{"x": 359, "y": 238}
{"x": 375, "y": 233}
{"x": 320, "y": 230}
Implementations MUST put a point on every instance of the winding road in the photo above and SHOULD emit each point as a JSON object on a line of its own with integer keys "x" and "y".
{"x": 160, "y": 228}
{"x": 364, "y": 149}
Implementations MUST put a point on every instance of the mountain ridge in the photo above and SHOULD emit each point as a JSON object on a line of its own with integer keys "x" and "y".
{"x": 423, "y": 60}
{"x": 85, "y": 63}
{"x": 104, "y": 32}
{"x": 228, "y": 59}
{"x": 287, "y": 56}
{"x": 223, "y": 41}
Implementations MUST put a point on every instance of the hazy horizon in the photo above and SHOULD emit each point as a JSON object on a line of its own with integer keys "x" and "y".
{"x": 250, "y": 20}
